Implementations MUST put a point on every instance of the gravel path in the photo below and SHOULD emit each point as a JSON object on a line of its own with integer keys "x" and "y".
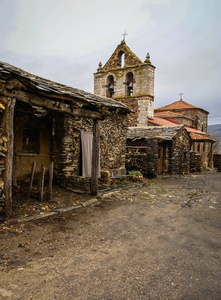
{"x": 159, "y": 239}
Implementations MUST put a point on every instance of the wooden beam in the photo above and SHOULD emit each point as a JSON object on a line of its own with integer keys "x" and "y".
{"x": 50, "y": 104}
{"x": 51, "y": 170}
{"x": 9, "y": 133}
{"x": 95, "y": 157}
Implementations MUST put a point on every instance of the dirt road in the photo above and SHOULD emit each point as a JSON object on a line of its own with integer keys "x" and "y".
{"x": 154, "y": 240}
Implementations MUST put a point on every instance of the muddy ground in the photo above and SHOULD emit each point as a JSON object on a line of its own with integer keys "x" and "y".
{"x": 158, "y": 239}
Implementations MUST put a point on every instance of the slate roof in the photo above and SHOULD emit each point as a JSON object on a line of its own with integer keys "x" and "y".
{"x": 161, "y": 132}
{"x": 38, "y": 84}
{"x": 199, "y": 137}
{"x": 195, "y": 134}
{"x": 170, "y": 114}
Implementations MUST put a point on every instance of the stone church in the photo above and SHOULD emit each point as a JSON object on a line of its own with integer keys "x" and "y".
{"x": 129, "y": 80}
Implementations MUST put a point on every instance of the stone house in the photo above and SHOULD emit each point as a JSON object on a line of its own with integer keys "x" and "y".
{"x": 128, "y": 80}
{"x": 158, "y": 150}
{"x": 195, "y": 121}
{"x": 43, "y": 121}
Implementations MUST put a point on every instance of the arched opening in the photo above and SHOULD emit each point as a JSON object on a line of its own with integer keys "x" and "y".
{"x": 110, "y": 87}
{"x": 121, "y": 59}
{"x": 129, "y": 84}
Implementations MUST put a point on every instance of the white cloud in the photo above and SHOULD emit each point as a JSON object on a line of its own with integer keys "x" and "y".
{"x": 65, "y": 40}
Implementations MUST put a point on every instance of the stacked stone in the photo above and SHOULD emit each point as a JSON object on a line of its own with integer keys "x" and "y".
{"x": 179, "y": 161}
{"x": 195, "y": 161}
{"x": 113, "y": 142}
{"x": 142, "y": 155}
{"x": 66, "y": 151}
{"x": 3, "y": 150}
{"x": 217, "y": 161}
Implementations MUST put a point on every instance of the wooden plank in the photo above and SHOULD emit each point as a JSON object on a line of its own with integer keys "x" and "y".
{"x": 51, "y": 170}
{"x": 8, "y": 123}
{"x": 14, "y": 181}
{"x": 95, "y": 157}
{"x": 31, "y": 178}
{"x": 51, "y": 104}
{"x": 41, "y": 184}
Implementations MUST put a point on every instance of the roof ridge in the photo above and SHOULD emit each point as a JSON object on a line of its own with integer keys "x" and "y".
{"x": 174, "y": 105}
{"x": 126, "y": 47}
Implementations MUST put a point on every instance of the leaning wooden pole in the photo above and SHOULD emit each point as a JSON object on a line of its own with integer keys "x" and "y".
{"x": 31, "y": 178}
{"x": 51, "y": 170}
{"x": 9, "y": 133}
{"x": 95, "y": 157}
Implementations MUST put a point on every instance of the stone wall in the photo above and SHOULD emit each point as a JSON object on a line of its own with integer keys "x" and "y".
{"x": 217, "y": 161}
{"x": 180, "y": 153}
{"x": 142, "y": 107}
{"x": 199, "y": 116}
{"x": 67, "y": 145}
{"x": 182, "y": 120}
{"x": 143, "y": 84}
{"x": 3, "y": 150}
{"x": 142, "y": 155}
{"x": 195, "y": 161}
{"x": 113, "y": 141}
{"x": 205, "y": 147}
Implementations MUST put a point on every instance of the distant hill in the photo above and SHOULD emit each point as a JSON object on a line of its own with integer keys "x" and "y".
{"x": 215, "y": 131}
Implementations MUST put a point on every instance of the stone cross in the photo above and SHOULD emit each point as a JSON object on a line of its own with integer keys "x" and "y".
{"x": 124, "y": 34}
{"x": 181, "y": 94}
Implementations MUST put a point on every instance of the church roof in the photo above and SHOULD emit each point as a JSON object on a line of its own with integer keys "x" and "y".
{"x": 195, "y": 134}
{"x": 199, "y": 137}
{"x": 162, "y": 122}
{"x": 178, "y": 105}
{"x": 168, "y": 113}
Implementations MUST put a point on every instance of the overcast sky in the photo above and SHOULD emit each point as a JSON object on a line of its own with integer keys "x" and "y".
{"x": 65, "y": 40}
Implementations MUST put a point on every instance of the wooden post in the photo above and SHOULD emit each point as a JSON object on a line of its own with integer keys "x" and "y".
{"x": 95, "y": 157}
{"x": 31, "y": 178}
{"x": 14, "y": 181}
{"x": 9, "y": 133}
{"x": 41, "y": 184}
{"x": 51, "y": 169}
{"x": 211, "y": 156}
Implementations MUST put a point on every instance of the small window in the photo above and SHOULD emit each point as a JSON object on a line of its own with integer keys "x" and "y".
{"x": 30, "y": 141}
{"x": 121, "y": 59}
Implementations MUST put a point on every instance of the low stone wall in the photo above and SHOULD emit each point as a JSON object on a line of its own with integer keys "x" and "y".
{"x": 142, "y": 156}
{"x": 195, "y": 161}
{"x": 77, "y": 183}
{"x": 217, "y": 161}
